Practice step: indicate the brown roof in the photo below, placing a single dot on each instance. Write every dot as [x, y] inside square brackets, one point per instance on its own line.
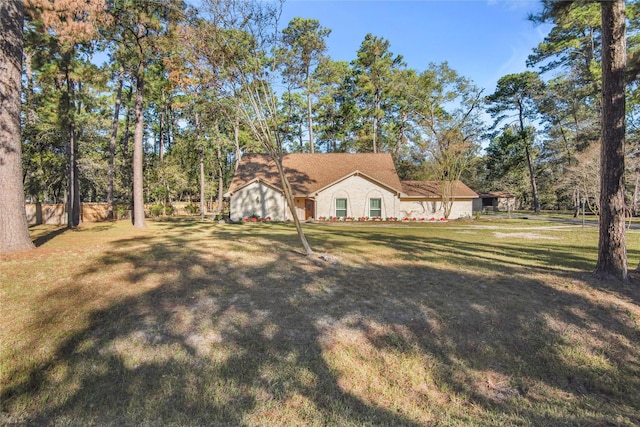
[433, 189]
[309, 173]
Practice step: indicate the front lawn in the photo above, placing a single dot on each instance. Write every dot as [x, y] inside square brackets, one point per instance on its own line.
[194, 323]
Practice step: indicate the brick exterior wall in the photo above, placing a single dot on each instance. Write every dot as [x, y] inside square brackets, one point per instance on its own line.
[262, 200]
[358, 191]
[258, 199]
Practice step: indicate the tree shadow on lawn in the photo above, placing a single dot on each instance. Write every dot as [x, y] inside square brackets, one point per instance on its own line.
[48, 235]
[221, 338]
[507, 255]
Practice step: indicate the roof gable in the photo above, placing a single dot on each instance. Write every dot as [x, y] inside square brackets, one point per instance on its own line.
[255, 181]
[361, 175]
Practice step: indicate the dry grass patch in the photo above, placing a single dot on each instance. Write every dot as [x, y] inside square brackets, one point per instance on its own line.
[193, 323]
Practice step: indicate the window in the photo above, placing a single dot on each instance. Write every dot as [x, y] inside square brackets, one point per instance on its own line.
[341, 208]
[375, 208]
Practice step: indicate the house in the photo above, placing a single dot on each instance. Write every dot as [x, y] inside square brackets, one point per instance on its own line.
[495, 201]
[338, 185]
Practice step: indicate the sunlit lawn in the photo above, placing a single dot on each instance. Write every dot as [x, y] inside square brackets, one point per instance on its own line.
[197, 323]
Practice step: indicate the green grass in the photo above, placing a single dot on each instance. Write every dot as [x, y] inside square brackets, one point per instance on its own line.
[489, 322]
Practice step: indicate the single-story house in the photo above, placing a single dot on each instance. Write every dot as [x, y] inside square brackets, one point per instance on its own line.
[342, 185]
[494, 201]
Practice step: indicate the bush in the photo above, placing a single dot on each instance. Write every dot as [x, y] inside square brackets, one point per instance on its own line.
[192, 209]
[121, 210]
[157, 210]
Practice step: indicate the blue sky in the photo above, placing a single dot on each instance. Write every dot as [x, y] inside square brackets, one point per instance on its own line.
[480, 39]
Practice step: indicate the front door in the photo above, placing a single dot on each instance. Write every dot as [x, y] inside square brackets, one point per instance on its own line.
[309, 209]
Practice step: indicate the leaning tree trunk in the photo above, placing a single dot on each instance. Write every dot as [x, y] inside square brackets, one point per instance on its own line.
[288, 194]
[14, 231]
[612, 254]
[138, 189]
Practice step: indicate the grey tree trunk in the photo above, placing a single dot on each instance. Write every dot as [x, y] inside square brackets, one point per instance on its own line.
[236, 139]
[288, 194]
[73, 182]
[112, 145]
[612, 254]
[14, 231]
[202, 201]
[375, 123]
[310, 114]
[220, 178]
[203, 205]
[532, 178]
[138, 188]
[126, 162]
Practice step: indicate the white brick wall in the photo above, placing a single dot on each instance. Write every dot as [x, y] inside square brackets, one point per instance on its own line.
[259, 199]
[462, 209]
[262, 200]
[433, 209]
[358, 191]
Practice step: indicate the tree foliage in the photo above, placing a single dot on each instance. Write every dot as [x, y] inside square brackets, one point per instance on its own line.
[304, 45]
[514, 106]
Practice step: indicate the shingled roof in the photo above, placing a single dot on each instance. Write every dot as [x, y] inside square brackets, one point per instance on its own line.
[433, 189]
[309, 173]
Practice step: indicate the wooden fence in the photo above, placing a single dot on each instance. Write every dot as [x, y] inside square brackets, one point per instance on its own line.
[56, 213]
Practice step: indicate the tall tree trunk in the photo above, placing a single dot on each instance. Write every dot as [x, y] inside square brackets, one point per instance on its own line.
[236, 139]
[612, 254]
[168, 125]
[29, 95]
[127, 163]
[161, 137]
[310, 114]
[202, 201]
[73, 182]
[14, 231]
[636, 187]
[220, 178]
[532, 179]
[400, 140]
[201, 152]
[138, 188]
[29, 130]
[375, 123]
[112, 145]
[73, 191]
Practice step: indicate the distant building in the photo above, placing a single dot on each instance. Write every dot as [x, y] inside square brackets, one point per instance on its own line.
[495, 201]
